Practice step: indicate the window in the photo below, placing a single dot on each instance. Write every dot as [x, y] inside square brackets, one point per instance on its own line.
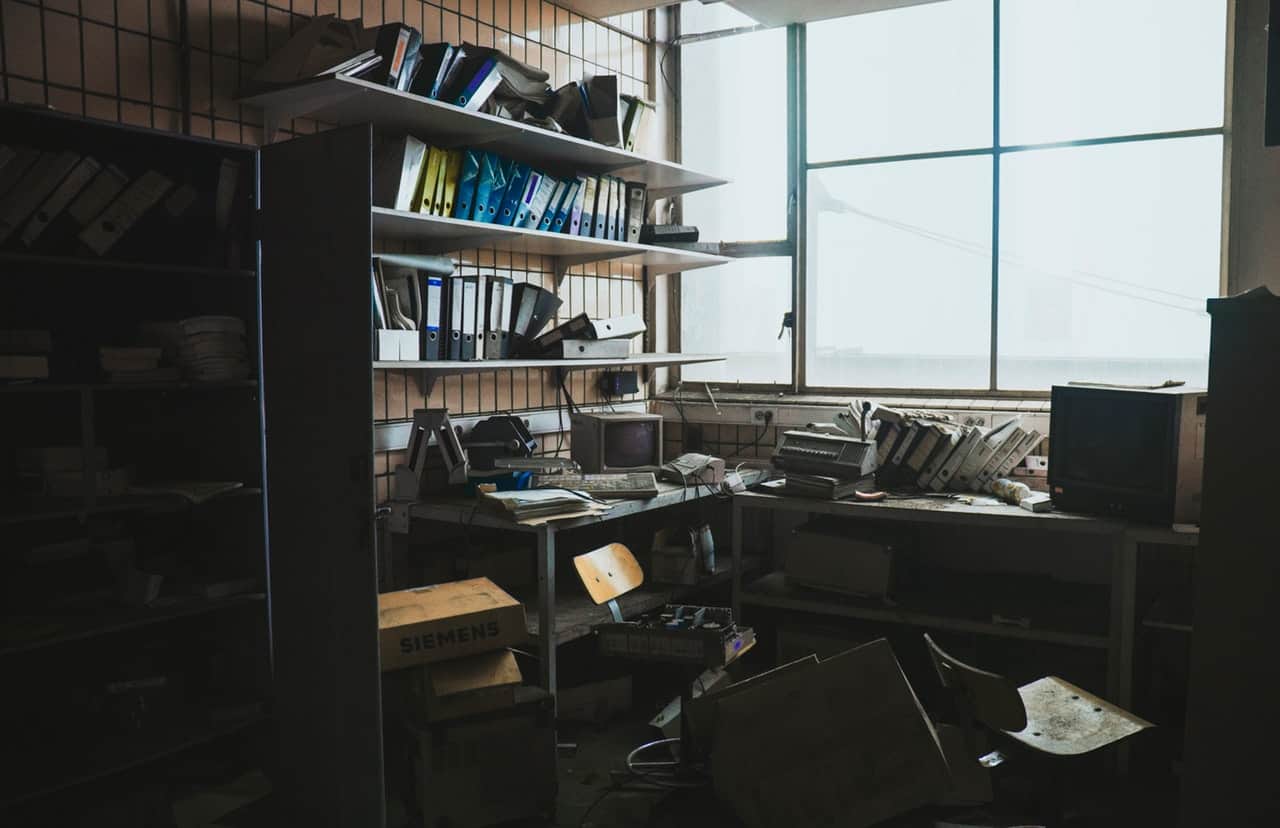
[1080, 140]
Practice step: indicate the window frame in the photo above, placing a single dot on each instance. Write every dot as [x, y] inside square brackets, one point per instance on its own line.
[795, 244]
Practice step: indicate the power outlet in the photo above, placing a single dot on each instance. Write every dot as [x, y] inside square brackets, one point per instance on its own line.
[763, 417]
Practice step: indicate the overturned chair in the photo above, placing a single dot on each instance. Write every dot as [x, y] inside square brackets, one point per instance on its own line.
[1049, 716]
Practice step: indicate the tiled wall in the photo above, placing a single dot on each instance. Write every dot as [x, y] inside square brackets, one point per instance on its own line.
[126, 60]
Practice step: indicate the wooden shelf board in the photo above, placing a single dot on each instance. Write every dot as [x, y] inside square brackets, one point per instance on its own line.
[97, 623]
[443, 235]
[31, 786]
[577, 616]
[774, 592]
[87, 263]
[340, 100]
[56, 508]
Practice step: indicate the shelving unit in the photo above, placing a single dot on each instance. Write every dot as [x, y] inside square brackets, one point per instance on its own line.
[319, 233]
[72, 628]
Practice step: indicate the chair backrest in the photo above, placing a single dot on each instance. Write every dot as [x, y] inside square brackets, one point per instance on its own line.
[989, 698]
[608, 572]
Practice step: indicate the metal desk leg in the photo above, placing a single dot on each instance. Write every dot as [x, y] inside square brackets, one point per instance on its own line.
[547, 606]
[736, 527]
[1120, 653]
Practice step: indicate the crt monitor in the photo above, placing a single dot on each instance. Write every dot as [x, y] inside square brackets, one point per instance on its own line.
[616, 442]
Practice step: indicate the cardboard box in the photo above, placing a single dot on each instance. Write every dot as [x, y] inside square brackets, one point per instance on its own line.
[673, 565]
[453, 689]
[821, 559]
[597, 702]
[444, 621]
[836, 742]
[484, 770]
[397, 346]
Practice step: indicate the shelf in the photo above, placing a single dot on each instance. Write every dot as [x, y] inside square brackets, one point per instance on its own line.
[68, 628]
[443, 235]
[578, 615]
[57, 508]
[137, 267]
[340, 100]
[41, 387]
[32, 783]
[773, 591]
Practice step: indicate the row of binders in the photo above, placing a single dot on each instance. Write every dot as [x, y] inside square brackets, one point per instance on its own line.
[480, 186]
[418, 299]
[935, 454]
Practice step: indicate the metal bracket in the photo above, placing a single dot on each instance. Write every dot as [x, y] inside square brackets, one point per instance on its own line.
[615, 610]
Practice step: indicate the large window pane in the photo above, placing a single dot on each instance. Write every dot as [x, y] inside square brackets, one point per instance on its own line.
[902, 81]
[1086, 68]
[899, 274]
[733, 96]
[1107, 255]
[736, 309]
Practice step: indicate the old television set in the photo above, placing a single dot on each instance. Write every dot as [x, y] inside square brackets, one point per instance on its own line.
[1130, 453]
[616, 442]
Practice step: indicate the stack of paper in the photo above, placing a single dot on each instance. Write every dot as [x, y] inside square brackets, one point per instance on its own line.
[136, 364]
[539, 504]
[213, 349]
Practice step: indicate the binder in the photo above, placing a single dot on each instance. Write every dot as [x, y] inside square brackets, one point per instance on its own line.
[575, 211]
[433, 63]
[102, 190]
[948, 438]
[394, 42]
[455, 317]
[538, 207]
[516, 184]
[532, 307]
[972, 437]
[397, 169]
[977, 460]
[617, 327]
[482, 317]
[452, 169]
[464, 200]
[427, 184]
[490, 177]
[603, 195]
[531, 188]
[16, 167]
[635, 211]
[432, 316]
[618, 220]
[506, 170]
[479, 87]
[36, 186]
[553, 206]
[439, 183]
[79, 177]
[587, 223]
[468, 318]
[982, 482]
[499, 317]
[566, 206]
[131, 205]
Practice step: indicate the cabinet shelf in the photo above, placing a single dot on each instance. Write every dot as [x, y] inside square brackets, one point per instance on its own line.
[341, 100]
[90, 265]
[434, 370]
[442, 235]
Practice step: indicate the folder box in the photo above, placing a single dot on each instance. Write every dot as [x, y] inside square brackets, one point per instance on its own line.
[397, 345]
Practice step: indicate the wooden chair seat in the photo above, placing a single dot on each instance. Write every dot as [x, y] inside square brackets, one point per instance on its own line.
[1064, 720]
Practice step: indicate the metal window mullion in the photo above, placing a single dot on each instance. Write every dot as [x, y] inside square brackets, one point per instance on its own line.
[797, 194]
[993, 357]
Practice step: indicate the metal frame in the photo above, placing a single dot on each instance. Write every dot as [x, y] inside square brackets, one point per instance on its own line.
[799, 168]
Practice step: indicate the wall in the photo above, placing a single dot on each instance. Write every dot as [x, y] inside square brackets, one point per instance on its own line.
[1253, 255]
[124, 60]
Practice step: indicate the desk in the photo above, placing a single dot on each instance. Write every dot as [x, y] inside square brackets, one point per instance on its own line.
[1120, 538]
[558, 623]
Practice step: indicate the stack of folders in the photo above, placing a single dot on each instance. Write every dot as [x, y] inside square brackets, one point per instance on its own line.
[585, 338]
[482, 316]
[72, 204]
[931, 452]
[474, 185]
[536, 504]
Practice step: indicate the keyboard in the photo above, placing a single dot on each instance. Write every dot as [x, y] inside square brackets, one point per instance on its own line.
[613, 485]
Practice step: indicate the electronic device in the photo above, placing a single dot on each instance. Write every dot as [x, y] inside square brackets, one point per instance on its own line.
[828, 555]
[623, 441]
[678, 633]
[1135, 453]
[501, 436]
[619, 383]
[537, 465]
[667, 233]
[808, 452]
[607, 486]
[411, 478]
[694, 469]
[824, 487]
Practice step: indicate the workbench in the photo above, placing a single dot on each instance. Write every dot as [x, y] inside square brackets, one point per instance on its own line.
[1120, 538]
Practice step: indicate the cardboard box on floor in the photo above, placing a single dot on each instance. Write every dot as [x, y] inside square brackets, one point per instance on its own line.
[444, 621]
[452, 689]
[841, 742]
